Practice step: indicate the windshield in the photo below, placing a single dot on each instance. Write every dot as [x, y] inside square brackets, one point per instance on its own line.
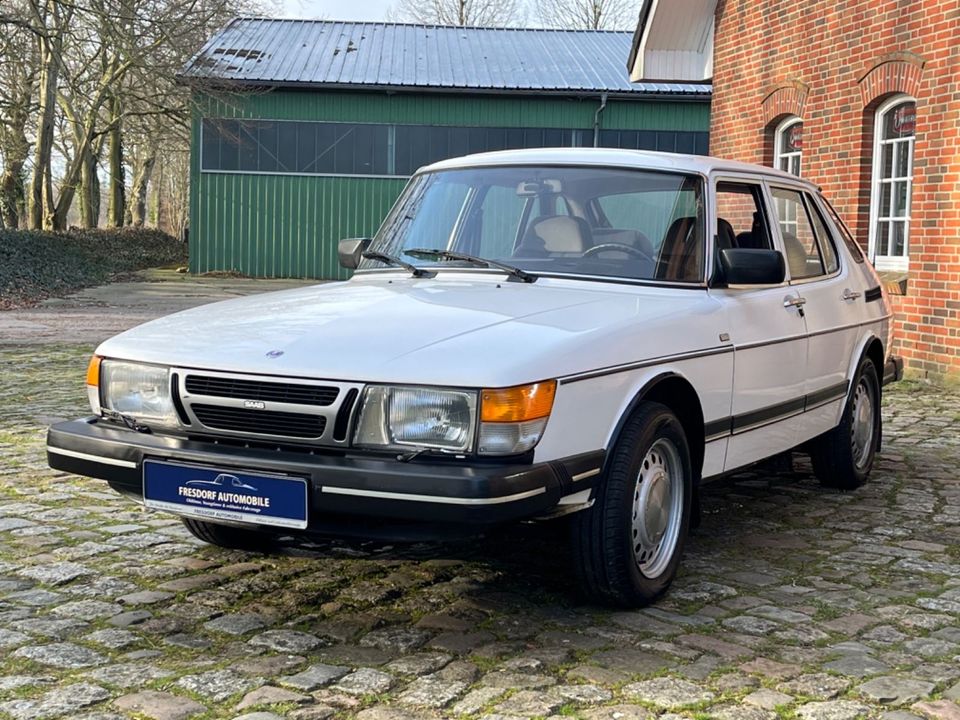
[636, 224]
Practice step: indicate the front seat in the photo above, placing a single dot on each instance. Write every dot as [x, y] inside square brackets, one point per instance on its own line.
[796, 256]
[680, 254]
[557, 234]
[726, 237]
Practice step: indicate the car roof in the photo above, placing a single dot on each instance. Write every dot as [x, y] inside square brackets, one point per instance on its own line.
[676, 162]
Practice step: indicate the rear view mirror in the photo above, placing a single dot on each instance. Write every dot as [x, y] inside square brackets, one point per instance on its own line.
[750, 266]
[350, 252]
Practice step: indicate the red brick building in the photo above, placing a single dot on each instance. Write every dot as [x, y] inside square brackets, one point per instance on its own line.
[860, 96]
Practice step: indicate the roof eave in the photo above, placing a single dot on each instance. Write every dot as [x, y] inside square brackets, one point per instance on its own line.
[638, 35]
[227, 84]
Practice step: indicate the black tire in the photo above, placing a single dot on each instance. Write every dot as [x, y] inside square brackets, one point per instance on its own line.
[228, 536]
[837, 461]
[603, 537]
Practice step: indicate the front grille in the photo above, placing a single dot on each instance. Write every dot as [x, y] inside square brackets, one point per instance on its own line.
[295, 393]
[261, 422]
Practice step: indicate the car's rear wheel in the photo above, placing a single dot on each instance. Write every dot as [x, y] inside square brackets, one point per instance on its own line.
[229, 536]
[842, 458]
[627, 547]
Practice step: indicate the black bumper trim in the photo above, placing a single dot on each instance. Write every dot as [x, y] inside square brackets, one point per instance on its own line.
[351, 485]
[892, 370]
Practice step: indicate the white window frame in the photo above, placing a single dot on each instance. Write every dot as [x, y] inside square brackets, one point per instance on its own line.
[779, 153]
[890, 262]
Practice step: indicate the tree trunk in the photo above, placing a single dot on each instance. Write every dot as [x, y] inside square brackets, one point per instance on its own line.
[143, 171]
[157, 219]
[117, 191]
[40, 183]
[89, 192]
[11, 193]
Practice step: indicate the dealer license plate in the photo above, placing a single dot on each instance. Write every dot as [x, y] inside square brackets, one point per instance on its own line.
[217, 494]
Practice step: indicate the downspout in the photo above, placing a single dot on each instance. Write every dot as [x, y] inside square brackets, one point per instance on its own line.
[596, 119]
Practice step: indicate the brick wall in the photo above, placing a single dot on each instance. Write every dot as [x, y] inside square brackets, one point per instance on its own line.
[832, 63]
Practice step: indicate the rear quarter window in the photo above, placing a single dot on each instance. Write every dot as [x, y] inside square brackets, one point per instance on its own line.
[852, 245]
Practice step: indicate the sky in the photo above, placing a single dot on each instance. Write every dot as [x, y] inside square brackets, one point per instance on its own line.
[336, 9]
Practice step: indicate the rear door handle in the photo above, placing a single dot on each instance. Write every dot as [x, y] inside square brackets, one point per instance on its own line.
[849, 295]
[791, 301]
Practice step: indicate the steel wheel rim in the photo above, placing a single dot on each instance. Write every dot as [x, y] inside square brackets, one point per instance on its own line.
[861, 427]
[657, 508]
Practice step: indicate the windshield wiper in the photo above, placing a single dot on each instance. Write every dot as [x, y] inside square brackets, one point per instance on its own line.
[512, 270]
[391, 260]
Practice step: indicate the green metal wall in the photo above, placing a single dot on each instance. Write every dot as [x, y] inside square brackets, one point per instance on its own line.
[289, 225]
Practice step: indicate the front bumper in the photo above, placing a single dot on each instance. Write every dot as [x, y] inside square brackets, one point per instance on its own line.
[892, 370]
[437, 491]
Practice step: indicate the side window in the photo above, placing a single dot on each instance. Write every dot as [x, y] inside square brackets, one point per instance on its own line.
[741, 221]
[799, 240]
[827, 248]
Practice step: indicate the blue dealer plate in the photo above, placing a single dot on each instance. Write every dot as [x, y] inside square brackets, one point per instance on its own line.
[215, 494]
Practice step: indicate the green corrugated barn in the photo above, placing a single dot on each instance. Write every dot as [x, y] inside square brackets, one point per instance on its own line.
[304, 132]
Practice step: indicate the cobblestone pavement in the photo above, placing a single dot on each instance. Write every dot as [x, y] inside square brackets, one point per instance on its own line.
[793, 602]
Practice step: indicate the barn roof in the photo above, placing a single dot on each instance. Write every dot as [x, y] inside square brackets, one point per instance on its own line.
[392, 56]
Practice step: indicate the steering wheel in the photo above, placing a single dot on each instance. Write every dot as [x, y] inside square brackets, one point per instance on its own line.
[629, 249]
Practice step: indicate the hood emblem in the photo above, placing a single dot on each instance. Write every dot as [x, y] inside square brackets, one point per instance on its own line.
[274, 354]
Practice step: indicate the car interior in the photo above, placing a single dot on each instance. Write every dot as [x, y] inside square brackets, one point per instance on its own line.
[597, 226]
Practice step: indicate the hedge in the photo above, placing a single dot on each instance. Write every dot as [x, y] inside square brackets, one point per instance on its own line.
[35, 265]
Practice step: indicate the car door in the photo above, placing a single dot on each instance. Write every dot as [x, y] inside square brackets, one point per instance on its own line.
[830, 304]
[765, 325]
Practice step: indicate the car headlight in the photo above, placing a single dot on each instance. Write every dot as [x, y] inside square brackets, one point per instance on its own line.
[401, 417]
[139, 391]
[511, 420]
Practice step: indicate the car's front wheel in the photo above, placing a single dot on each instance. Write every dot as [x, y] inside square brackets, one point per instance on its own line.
[628, 545]
[231, 537]
[842, 458]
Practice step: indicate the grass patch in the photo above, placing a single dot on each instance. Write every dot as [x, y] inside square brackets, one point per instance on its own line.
[35, 265]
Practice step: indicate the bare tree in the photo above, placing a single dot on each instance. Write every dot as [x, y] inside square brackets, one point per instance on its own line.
[480, 13]
[18, 79]
[85, 82]
[589, 14]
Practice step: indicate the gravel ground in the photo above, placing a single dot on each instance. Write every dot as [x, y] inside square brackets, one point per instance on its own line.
[793, 602]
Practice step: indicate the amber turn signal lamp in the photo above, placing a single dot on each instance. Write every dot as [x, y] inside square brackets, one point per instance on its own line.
[93, 371]
[518, 404]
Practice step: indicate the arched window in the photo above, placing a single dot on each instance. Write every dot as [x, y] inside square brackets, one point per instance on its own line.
[788, 145]
[893, 139]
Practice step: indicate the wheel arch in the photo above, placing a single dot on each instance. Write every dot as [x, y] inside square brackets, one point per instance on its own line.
[677, 393]
[871, 347]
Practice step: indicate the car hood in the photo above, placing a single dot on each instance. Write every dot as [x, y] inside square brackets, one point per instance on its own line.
[453, 329]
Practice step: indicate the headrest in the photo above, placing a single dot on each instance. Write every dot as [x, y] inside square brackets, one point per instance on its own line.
[562, 234]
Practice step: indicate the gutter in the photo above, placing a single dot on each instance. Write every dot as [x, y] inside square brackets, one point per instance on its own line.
[702, 92]
[596, 120]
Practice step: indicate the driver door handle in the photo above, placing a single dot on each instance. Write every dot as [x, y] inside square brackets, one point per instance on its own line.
[797, 302]
[849, 295]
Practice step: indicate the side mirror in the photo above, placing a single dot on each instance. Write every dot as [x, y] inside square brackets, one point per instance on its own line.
[750, 266]
[351, 252]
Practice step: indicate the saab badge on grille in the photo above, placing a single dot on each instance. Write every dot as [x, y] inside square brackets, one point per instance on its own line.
[254, 404]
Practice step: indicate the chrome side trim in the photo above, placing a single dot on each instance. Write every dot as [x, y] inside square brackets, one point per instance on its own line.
[584, 475]
[626, 367]
[442, 499]
[91, 458]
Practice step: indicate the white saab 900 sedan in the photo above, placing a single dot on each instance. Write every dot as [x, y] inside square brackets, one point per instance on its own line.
[531, 334]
